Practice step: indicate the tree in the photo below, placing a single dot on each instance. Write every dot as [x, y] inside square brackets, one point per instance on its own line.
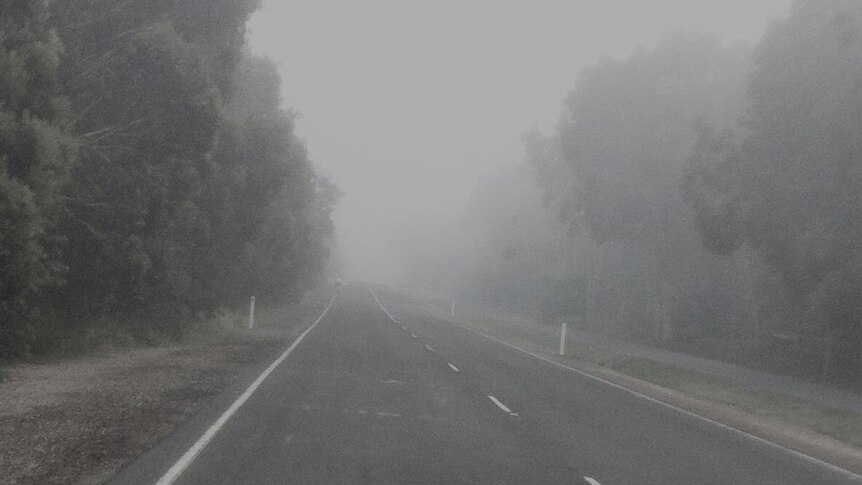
[36, 153]
[148, 82]
[267, 206]
[518, 249]
[144, 171]
[627, 132]
[789, 187]
[134, 222]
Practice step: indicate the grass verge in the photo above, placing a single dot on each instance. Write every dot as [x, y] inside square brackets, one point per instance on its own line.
[841, 425]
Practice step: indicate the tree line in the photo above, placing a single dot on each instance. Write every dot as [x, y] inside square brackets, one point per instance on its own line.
[699, 195]
[148, 176]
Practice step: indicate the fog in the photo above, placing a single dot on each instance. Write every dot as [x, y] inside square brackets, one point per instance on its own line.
[681, 173]
[413, 220]
[410, 105]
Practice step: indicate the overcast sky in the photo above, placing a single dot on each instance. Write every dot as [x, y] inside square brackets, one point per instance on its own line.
[408, 104]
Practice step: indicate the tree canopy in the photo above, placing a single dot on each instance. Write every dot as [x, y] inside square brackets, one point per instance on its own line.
[788, 186]
[148, 173]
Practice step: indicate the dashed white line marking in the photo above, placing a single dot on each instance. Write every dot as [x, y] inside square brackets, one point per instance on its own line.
[373, 295]
[381, 306]
[501, 405]
[453, 367]
[403, 328]
[413, 335]
[388, 415]
[180, 466]
[592, 481]
[429, 348]
[807, 458]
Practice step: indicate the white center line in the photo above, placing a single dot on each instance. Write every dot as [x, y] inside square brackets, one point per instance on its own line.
[501, 405]
[381, 306]
[592, 481]
[453, 368]
[373, 295]
[429, 348]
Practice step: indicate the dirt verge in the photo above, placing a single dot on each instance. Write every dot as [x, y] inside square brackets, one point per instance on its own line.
[81, 420]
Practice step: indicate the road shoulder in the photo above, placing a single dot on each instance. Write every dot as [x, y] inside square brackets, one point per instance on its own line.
[793, 438]
[81, 420]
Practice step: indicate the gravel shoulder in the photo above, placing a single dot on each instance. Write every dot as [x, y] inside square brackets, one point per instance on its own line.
[81, 420]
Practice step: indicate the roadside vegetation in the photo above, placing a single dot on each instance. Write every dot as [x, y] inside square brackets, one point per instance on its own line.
[789, 412]
[695, 196]
[149, 179]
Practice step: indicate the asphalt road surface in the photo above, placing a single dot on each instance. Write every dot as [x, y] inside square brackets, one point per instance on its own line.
[380, 391]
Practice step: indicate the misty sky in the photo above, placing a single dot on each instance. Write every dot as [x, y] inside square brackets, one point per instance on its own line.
[408, 104]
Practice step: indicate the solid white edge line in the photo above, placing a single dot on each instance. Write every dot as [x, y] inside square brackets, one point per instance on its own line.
[499, 404]
[816, 461]
[453, 367]
[592, 481]
[180, 466]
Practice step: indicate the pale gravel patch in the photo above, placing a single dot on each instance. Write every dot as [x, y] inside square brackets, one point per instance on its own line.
[80, 420]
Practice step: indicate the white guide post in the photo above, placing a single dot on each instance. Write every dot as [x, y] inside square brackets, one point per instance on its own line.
[563, 339]
[251, 314]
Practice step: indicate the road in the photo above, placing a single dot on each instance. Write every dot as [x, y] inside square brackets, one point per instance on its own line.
[380, 391]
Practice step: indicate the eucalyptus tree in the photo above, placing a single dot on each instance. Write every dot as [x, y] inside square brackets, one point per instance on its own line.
[789, 185]
[36, 153]
[627, 132]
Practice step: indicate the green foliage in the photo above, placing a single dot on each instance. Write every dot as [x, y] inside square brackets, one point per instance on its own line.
[789, 187]
[279, 224]
[134, 192]
[35, 156]
[629, 131]
[146, 170]
[521, 247]
[625, 138]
